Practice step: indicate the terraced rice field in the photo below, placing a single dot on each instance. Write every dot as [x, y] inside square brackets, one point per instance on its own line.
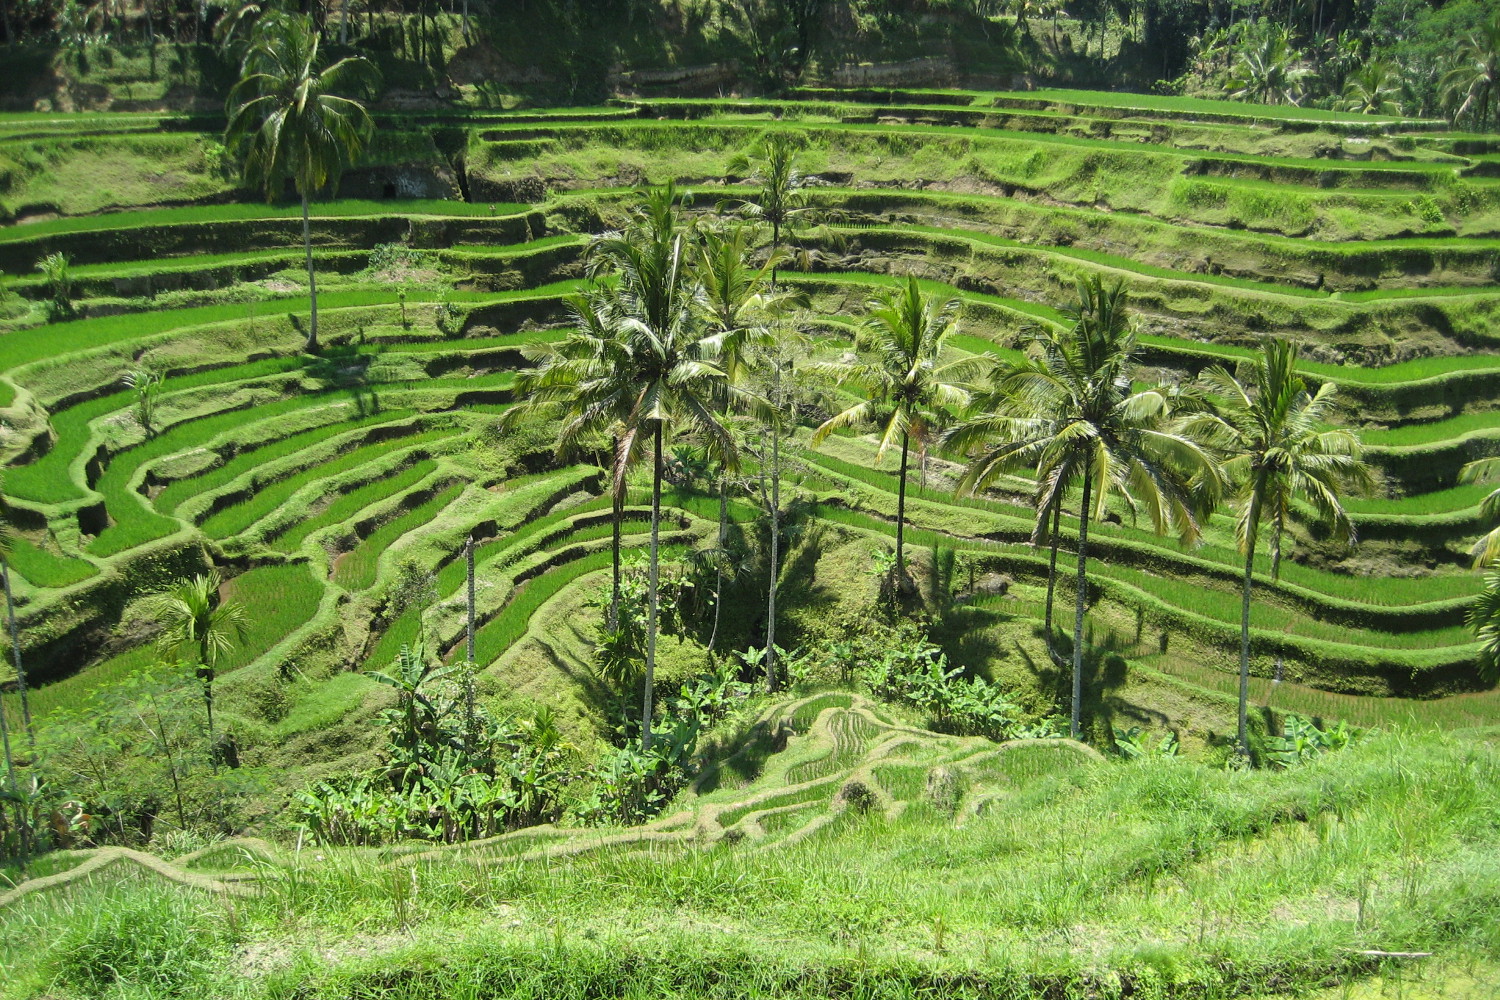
[324, 481]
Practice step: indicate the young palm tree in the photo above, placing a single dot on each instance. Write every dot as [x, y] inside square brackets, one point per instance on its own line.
[908, 389]
[190, 615]
[1373, 89]
[291, 119]
[1268, 430]
[1470, 83]
[781, 198]
[1267, 70]
[1074, 416]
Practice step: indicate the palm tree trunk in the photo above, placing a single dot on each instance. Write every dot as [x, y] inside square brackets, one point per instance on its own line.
[775, 551]
[651, 581]
[312, 281]
[901, 514]
[469, 630]
[1083, 539]
[617, 514]
[15, 652]
[10, 29]
[1052, 573]
[719, 559]
[208, 699]
[775, 249]
[344, 22]
[1244, 736]
[15, 788]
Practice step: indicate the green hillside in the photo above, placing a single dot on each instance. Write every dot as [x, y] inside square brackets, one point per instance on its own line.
[560, 650]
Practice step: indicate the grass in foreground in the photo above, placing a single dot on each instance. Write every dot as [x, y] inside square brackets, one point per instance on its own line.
[1159, 879]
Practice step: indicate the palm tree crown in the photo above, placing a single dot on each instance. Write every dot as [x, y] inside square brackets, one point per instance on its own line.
[781, 193]
[1470, 82]
[1268, 70]
[190, 617]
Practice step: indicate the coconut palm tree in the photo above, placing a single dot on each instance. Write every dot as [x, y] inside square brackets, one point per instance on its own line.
[1373, 89]
[1470, 83]
[667, 369]
[1267, 70]
[653, 373]
[190, 617]
[292, 119]
[1075, 417]
[1269, 430]
[909, 391]
[739, 304]
[781, 195]
[549, 391]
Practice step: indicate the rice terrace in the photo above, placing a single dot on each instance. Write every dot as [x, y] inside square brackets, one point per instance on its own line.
[750, 499]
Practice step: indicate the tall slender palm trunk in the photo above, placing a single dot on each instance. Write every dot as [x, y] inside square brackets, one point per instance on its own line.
[469, 624]
[1052, 574]
[1083, 593]
[1244, 736]
[775, 249]
[15, 653]
[719, 559]
[469, 693]
[775, 552]
[206, 675]
[901, 513]
[312, 281]
[15, 788]
[651, 586]
[617, 515]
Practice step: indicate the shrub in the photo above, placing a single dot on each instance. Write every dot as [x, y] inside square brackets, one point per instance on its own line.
[1302, 739]
[57, 271]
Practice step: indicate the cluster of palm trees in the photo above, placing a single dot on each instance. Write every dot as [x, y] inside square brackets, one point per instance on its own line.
[1260, 61]
[663, 346]
[684, 324]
